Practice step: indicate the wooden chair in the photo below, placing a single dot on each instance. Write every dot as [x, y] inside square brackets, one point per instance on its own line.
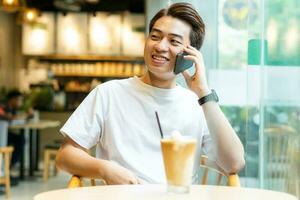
[281, 145]
[208, 167]
[206, 164]
[50, 152]
[5, 152]
[77, 181]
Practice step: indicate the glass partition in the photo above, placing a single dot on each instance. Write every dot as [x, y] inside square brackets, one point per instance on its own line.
[273, 45]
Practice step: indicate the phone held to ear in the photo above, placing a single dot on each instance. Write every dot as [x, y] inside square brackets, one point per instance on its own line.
[181, 63]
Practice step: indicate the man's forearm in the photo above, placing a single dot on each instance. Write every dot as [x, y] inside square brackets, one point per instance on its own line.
[74, 159]
[229, 149]
[82, 164]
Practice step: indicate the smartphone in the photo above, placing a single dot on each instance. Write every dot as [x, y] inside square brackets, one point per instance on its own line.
[182, 64]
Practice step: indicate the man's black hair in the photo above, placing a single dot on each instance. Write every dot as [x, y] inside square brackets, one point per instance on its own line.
[13, 94]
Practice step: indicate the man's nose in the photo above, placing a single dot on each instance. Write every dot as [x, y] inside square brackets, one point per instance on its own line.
[162, 45]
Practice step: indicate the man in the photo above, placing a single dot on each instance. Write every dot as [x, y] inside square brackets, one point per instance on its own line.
[119, 116]
[10, 112]
[14, 101]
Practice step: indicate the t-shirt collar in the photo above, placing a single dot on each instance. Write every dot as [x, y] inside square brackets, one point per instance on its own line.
[162, 92]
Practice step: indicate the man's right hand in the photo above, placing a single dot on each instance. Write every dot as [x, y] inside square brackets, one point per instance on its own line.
[115, 174]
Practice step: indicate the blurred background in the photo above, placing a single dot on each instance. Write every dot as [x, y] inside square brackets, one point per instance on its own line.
[55, 52]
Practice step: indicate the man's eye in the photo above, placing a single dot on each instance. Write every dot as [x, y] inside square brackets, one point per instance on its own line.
[175, 42]
[154, 37]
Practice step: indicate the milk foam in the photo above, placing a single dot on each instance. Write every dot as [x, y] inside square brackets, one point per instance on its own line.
[179, 138]
[176, 135]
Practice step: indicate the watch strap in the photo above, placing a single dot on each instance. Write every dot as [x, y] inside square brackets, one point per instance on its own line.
[210, 97]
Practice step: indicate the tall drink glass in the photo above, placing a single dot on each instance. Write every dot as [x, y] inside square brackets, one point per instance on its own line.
[178, 156]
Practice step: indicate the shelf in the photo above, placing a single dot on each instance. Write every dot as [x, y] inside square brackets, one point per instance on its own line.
[94, 75]
[59, 57]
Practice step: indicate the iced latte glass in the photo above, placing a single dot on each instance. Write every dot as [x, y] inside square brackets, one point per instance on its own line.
[178, 156]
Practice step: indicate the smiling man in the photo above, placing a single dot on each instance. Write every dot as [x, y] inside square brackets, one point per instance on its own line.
[119, 116]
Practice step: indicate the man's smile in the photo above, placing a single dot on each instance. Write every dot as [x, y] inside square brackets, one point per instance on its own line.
[159, 59]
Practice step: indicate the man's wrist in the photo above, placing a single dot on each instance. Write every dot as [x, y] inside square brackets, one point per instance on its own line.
[203, 92]
[103, 168]
[212, 96]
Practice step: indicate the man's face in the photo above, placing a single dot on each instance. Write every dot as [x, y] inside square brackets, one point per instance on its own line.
[167, 38]
[17, 102]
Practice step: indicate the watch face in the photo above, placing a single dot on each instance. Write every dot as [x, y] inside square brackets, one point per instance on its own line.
[214, 95]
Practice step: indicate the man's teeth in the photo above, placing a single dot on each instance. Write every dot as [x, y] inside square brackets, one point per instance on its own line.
[159, 58]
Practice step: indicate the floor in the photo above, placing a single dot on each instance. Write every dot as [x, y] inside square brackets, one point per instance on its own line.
[27, 189]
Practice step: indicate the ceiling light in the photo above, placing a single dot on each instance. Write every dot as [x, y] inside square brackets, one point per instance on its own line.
[10, 5]
[30, 15]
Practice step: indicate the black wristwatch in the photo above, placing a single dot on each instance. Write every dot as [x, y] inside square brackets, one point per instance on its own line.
[210, 97]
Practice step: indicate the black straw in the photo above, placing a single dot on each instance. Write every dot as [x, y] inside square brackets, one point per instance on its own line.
[159, 126]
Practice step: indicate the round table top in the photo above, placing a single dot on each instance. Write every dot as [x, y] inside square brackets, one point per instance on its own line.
[157, 192]
[40, 124]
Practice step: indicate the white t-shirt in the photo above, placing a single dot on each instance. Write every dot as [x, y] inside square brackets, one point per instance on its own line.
[119, 117]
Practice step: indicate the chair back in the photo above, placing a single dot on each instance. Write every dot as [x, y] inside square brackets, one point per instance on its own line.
[6, 152]
[281, 165]
[77, 181]
[210, 173]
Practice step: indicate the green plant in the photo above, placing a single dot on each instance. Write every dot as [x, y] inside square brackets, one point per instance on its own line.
[39, 99]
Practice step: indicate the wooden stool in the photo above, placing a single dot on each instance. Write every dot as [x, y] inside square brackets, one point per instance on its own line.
[50, 153]
[5, 152]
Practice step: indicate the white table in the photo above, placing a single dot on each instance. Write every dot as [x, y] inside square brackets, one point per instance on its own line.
[40, 124]
[158, 192]
[33, 129]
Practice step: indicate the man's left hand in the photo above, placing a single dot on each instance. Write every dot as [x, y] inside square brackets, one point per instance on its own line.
[198, 81]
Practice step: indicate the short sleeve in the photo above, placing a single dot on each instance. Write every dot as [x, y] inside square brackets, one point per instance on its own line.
[85, 124]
